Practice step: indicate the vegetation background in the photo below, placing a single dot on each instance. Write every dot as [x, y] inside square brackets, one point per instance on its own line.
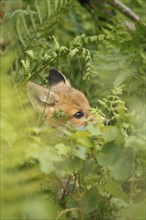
[76, 174]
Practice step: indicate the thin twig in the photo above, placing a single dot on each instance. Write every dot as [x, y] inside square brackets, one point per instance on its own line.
[21, 105]
[41, 115]
[67, 210]
[124, 9]
[65, 190]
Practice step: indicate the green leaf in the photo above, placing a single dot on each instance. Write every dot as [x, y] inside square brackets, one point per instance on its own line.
[115, 189]
[30, 53]
[9, 134]
[80, 152]
[95, 131]
[47, 157]
[86, 141]
[62, 149]
[83, 137]
[110, 133]
[119, 160]
[73, 52]
[90, 200]
[136, 211]
[123, 168]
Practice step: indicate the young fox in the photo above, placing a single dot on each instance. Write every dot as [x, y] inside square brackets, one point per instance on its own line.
[61, 96]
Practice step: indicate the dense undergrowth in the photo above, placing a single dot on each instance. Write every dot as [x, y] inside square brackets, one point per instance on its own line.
[96, 172]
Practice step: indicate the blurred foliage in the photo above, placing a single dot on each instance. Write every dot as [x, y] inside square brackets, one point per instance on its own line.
[94, 172]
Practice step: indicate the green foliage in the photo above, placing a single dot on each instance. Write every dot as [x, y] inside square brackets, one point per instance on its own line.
[93, 172]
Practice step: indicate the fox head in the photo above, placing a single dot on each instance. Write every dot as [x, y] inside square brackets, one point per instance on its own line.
[61, 96]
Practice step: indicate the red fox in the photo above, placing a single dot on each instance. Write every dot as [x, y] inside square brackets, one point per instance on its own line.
[61, 96]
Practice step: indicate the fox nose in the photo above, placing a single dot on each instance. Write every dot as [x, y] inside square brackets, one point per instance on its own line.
[104, 121]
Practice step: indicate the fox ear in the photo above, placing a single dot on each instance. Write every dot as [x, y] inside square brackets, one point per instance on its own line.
[40, 96]
[55, 77]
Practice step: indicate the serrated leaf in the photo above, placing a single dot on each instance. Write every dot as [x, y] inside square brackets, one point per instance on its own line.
[30, 53]
[73, 52]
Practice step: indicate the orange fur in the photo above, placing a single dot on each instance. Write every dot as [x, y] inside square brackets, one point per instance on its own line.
[61, 96]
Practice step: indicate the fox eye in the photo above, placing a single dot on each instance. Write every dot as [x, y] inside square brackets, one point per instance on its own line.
[79, 114]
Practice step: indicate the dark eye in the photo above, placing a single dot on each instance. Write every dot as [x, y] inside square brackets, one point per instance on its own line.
[79, 114]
